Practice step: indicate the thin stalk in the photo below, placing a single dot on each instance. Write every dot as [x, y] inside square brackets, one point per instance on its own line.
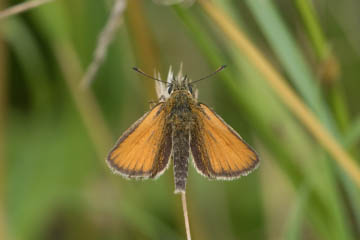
[313, 27]
[329, 68]
[105, 38]
[84, 99]
[283, 90]
[186, 216]
[22, 7]
[352, 136]
[3, 110]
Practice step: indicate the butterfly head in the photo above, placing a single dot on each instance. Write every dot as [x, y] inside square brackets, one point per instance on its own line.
[174, 83]
[180, 83]
[164, 89]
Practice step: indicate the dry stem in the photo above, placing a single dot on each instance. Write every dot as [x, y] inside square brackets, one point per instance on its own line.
[105, 38]
[3, 122]
[84, 99]
[22, 7]
[187, 225]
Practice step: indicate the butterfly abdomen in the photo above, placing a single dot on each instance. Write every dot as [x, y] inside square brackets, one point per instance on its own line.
[181, 118]
[181, 158]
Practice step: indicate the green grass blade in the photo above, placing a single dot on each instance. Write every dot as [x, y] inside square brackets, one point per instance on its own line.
[353, 134]
[297, 215]
[285, 47]
[31, 62]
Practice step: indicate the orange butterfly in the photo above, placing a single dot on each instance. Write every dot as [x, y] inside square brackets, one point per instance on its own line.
[174, 127]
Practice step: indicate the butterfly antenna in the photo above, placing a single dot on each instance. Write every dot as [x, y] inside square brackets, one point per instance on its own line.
[210, 75]
[147, 75]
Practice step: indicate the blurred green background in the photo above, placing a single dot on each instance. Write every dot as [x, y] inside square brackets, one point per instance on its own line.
[54, 136]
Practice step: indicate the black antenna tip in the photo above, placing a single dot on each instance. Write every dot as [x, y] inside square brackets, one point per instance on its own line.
[147, 75]
[210, 75]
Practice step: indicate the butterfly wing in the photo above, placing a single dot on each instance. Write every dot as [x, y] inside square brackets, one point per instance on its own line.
[143, 151]
[218, 151]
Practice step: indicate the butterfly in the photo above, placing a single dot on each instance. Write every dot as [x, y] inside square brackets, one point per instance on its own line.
[176, 127]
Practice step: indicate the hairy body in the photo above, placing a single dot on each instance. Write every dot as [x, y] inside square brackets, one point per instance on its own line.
[182, 119]
[175, 128]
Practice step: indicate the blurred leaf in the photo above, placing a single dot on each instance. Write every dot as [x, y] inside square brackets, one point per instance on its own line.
[313, 28]
[171, 2]
[285, 47]
[297, 215]
[353, 134]
[33, 62]
[43, 173]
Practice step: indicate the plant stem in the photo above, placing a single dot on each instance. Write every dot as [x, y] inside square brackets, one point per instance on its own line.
[22, 7]
[105, 38]
[313, 27]
[84, 99]
[186, 216]
[3, 111]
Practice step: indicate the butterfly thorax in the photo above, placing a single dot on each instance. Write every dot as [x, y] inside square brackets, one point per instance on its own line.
[180, 104]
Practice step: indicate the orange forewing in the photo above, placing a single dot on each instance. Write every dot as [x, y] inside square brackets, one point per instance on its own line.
[144, 149]
[219, 151]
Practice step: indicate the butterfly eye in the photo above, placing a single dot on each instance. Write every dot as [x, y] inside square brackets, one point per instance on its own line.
[170, 89]
[190, 89]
